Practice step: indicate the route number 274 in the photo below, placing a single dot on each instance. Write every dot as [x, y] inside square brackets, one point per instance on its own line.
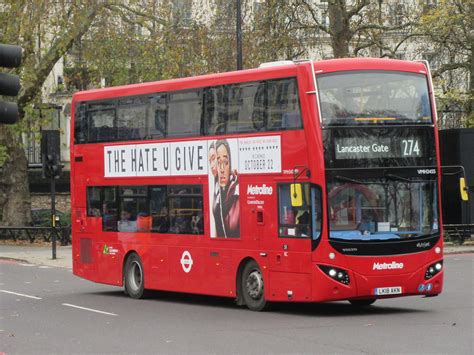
[410, 147]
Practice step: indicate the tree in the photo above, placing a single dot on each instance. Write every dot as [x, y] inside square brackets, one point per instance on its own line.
[449, 29]
[46, 31]
[353, 28]
[130, 45]
[271, 34]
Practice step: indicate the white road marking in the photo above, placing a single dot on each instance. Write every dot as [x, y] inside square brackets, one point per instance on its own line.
[21, 294]
[89, 309]
[44, 267]
[27, 265]
[27, 282]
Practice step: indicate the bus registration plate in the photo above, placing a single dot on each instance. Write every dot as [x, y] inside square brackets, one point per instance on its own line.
[382, 291]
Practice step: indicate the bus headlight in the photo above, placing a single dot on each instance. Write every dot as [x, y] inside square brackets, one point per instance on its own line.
[433, 269]
[336, 274]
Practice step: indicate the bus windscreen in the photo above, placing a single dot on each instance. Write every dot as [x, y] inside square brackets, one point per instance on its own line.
[368, 97]
[382, 209]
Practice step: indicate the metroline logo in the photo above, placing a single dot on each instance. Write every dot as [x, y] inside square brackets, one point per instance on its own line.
[385, 266]
[259, 190]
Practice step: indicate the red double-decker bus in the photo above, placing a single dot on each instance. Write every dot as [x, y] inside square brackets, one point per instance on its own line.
[302, 181]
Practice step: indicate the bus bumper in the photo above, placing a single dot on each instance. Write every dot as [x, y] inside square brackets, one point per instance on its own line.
[384, 285]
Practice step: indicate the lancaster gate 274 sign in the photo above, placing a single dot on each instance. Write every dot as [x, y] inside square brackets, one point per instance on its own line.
[254, 155]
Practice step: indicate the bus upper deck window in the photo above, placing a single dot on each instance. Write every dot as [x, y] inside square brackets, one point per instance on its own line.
[367, 97]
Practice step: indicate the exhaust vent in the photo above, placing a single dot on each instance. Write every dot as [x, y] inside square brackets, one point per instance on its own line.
[86, 250]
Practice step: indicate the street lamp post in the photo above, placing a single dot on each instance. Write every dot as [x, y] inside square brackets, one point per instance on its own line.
[239, 35]
[380, 30]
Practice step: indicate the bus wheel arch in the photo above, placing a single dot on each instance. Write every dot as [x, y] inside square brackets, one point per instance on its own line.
[250, 282]
[238, 281]
[124, 262]
[133, 275]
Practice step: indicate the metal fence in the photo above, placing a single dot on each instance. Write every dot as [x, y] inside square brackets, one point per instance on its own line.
[32, 234]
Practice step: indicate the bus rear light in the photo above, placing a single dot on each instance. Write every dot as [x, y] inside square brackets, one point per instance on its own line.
[336, 274]
[433, 269]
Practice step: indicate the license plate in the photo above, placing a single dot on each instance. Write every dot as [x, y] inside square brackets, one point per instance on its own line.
[382, 291]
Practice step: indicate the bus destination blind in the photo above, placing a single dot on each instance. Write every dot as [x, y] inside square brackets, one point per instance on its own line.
[376, 148]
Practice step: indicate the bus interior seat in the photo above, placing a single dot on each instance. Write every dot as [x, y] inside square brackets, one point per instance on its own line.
[144, 223]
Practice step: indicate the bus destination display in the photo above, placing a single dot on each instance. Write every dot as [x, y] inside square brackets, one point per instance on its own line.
[376, 148]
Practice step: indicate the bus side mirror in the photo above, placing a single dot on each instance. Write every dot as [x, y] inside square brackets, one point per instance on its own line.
[463, 189]
[296, 195]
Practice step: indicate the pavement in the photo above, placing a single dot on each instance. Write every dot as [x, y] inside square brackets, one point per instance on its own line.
[38, 255]
[42, 255]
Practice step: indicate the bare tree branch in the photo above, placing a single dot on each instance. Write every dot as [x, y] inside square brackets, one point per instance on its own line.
[448, 67]
[129, 9]
[57, 49]
[357, 8]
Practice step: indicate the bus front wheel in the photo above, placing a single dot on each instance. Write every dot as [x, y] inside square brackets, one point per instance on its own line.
[362, 303]
[134, 282]
[253, 291]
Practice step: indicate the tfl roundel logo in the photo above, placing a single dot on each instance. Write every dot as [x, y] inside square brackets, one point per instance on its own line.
[186, 261]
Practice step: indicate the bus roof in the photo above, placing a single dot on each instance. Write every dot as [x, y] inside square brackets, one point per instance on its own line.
[187, 83]
[369, 64]
[268, 71]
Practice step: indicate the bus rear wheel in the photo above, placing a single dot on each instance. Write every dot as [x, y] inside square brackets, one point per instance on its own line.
[134, 279]
[362, 303]
[253, 292]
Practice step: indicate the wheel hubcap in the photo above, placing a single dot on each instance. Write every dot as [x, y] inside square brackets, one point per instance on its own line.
[135, 276]
[254, 284]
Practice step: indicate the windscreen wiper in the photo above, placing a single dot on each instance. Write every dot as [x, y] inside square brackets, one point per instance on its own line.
[346, 179]
[396, 177]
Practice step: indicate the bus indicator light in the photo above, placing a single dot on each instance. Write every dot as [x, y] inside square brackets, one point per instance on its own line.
[336, 274]
[433, 269]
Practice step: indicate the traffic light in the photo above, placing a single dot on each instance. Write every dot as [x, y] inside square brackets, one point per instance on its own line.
[50, 153]
[10, 57]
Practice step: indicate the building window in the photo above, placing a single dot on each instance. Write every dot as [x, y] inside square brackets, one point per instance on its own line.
[182, 11]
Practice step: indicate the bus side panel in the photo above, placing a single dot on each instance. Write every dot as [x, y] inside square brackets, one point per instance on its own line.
[108, 253]
[286, 286]
[221, 278]
[83, 258]
[157, 267]
[109, 259]
[189, 269]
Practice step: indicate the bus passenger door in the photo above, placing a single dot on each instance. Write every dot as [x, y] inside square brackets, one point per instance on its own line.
[290, 256]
